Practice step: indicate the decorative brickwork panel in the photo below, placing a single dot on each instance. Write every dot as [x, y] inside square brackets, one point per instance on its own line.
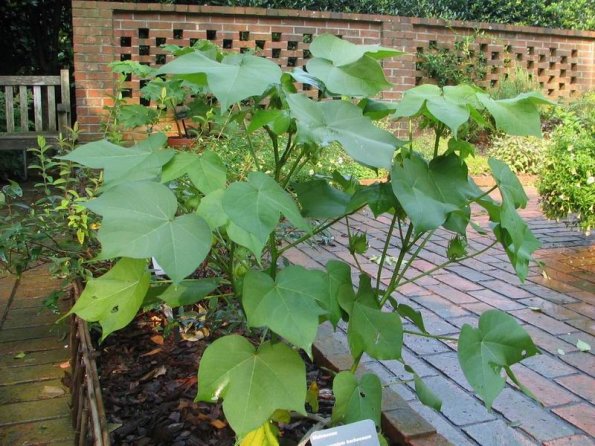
[553, 61]
[139, 36]
[561, 60]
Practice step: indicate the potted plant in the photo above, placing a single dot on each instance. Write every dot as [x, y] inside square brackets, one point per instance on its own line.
[186, 210]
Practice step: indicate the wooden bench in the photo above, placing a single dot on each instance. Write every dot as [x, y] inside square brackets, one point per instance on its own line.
[32, 101]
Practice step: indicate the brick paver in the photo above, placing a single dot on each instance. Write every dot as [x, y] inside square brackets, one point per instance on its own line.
[557, 308]
[34, 404]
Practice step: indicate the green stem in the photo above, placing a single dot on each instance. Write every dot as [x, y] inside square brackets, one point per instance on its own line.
[314, 232]
[439, 130]
[385, 250]
[293, 169]
[356, 362]
[251, 146]
[404, 248]
[428, 335]
[448, 262]
[288, 149]
[396, 278]
[274, 254]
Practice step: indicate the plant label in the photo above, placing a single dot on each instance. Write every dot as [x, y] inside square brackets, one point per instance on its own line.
[362, 433]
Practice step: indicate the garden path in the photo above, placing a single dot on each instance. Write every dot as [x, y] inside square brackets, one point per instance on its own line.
[34, 354]
[557, 308]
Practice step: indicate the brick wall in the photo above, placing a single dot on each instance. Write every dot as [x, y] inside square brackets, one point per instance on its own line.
[562, 60]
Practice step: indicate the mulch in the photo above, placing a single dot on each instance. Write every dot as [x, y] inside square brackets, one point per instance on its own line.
[149, 383]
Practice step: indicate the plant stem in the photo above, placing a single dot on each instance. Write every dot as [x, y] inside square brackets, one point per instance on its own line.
[385, 250]
[293, 168]
[428, 335]
[438, 130]
[404, 248]
[356, 361]
[314, 232]
[396, 278]
[274, 254]
[448, 262]
[251, 146]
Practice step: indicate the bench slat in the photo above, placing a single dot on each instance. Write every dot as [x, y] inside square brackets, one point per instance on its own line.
[51, 108]
[24, 108]
[9, 106]
[29, 80]
[37, 110]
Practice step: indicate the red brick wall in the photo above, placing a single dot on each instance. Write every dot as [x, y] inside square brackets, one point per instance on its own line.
[562, 60]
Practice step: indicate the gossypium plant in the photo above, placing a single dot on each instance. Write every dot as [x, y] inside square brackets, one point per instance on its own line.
[242, 229]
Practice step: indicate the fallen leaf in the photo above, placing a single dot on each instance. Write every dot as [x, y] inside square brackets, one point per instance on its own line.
[218, 424]
[152, 352]
[51, 392]
[535, 309]
[155, 373]
[561, 352]
[113, 426]
[583, 346]
[157, 339]
[20, 355]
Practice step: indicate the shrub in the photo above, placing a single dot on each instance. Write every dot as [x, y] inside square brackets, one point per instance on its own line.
[567, 183]
[515, 81]
[462, 65]
[524, 154]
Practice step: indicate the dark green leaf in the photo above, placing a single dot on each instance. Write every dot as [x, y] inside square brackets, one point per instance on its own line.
[357, 400]
[290, 305]
[188, 292]
[319, 200]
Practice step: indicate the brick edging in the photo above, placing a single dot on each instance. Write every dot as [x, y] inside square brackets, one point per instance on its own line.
[400, 422]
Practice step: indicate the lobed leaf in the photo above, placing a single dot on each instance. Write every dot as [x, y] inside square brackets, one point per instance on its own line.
[357, 400]
[253, 383]
[483, 352]
[139, 221]
[114, 298]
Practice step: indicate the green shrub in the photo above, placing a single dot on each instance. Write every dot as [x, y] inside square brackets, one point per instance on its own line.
[465, 64]
[514, 82]
[567, 183]
[524, 154]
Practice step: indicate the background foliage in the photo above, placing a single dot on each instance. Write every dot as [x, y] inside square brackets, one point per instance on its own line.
[37, 34]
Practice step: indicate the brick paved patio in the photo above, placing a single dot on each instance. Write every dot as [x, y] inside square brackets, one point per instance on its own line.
[34, 406]
[557, 308]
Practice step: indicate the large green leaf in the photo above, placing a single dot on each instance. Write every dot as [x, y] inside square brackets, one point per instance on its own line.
[290, 305]
[449, 106]
[364, 77]
[519, 115]
[211, 209]
[378, 196]
[510, 229]
[140, 162]
[246, 239]
[324, 122]
[342, 52]
[357, 400]
[253, 383]
[340, 288]
[320, 200]
[139, 221]
[188, 292]
[508, 183]
[235, 78]
[114, 298]
[206, 171]
[497, 343]
[256, 205]
[375, 332]
[429, 193]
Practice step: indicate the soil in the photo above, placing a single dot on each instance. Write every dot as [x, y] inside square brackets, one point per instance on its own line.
[149, 383]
